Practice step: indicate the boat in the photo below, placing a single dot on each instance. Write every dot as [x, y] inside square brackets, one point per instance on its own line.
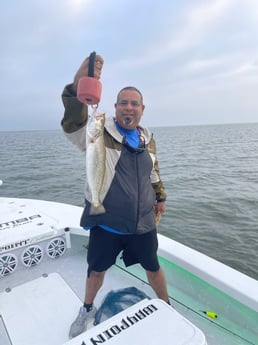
[42, 277]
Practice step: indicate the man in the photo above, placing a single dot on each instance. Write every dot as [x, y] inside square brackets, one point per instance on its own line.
[134, 193]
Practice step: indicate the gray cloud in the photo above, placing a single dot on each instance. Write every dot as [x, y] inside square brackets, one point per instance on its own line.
[196, 62]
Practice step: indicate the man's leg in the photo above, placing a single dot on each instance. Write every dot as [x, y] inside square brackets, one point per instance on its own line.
[88, 310]
[93, 284]
[158, 283]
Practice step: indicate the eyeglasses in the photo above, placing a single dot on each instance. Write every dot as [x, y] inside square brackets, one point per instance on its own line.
[133, 103]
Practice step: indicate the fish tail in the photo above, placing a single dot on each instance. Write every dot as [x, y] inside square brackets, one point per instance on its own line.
[97, 209]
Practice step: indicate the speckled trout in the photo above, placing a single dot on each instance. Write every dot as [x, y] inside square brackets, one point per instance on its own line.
[95, 159]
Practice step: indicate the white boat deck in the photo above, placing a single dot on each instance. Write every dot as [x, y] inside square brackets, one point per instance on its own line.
[71, 268]
[28, 307]
[47, 304]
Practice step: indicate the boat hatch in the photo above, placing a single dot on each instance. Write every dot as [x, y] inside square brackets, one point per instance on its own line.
[147, 322]
[38, 312]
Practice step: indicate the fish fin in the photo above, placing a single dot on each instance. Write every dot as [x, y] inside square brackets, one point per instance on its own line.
[99, 209]
[157, 218]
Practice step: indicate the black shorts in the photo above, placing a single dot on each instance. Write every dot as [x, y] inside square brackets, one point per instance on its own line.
[104, 247]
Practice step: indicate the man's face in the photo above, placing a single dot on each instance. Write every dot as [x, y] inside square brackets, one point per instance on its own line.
[129, 109]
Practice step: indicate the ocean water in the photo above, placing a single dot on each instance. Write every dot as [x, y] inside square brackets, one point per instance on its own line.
[210, 174]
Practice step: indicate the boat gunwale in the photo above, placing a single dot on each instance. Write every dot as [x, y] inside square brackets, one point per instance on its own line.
[230, 281]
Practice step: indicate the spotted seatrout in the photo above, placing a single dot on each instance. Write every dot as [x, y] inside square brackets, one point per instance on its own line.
[95, 159]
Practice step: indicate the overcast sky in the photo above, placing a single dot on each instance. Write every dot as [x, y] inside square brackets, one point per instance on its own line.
[195, 61]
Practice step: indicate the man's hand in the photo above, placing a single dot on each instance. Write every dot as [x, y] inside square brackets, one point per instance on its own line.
[160, 208]
[83, 70]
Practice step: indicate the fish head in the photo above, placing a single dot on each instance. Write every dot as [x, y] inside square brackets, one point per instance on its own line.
[95, 125]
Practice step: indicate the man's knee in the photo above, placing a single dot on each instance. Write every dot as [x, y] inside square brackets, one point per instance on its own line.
[96, 275]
